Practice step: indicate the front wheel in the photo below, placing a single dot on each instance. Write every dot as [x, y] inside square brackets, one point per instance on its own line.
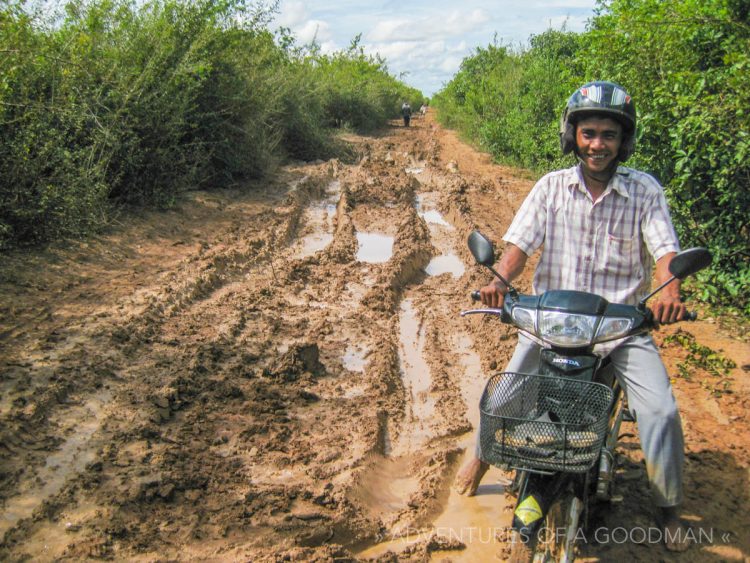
[557, 541]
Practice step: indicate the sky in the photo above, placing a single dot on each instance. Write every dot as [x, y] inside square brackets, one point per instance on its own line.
[424, 41]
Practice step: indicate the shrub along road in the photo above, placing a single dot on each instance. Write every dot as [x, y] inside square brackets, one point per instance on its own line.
[282, 374]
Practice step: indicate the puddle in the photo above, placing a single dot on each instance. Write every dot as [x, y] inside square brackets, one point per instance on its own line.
[481, 521]
[426, 206]
[388, 488]
[318, 217]
[374, 248]
[69, 460]
[448, 261]
[314, 243]
[417, 379]
[446, 264]
[473, 379]
[434, 217]
[354, 358]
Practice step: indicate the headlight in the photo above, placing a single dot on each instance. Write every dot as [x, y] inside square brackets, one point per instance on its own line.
[613, 327]
[564, 329]
[524, 319]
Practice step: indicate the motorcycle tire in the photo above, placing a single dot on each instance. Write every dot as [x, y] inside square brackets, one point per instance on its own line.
[555, 540]
[561, 529]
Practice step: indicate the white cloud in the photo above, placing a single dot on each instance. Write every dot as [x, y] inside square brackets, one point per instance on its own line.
[393, 51]
[426, 40]
[389, 30]
[314, 30]
[429, 27]
[293, 14]
[458, 23]
[410, 53]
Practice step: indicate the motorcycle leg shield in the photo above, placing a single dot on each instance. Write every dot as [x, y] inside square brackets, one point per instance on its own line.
[580, 366]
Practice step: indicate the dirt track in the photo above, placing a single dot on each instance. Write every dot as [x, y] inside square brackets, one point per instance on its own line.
[284, 376]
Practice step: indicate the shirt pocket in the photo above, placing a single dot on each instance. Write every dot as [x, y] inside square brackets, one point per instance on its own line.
[621, 256]
[557, 218]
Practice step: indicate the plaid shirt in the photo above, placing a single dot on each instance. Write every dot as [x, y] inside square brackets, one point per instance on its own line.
[605, 247]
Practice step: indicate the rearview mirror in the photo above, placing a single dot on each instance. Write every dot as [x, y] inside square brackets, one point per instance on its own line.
[481, 248]
[689, 261]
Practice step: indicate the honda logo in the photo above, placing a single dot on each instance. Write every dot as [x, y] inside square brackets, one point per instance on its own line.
[567, 362]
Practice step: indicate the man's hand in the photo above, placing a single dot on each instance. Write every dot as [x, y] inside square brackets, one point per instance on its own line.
[510, 266]
[668, 309]
[493, 294]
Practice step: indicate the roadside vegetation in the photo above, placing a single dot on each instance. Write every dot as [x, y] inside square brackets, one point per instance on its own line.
[687, 65]
[111, 102]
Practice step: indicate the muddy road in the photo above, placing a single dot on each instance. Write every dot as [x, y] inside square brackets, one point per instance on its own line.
[283, 375]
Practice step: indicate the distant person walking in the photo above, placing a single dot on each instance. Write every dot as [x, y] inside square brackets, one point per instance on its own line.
[423, 110]
[406, 112]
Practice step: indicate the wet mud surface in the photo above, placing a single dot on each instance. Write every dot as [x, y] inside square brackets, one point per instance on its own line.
[283, 375]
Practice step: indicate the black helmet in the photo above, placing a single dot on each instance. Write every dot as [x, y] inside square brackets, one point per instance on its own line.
[599, 98]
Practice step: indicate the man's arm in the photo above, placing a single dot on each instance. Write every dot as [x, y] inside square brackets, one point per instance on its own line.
[668, 307]
[510, 266]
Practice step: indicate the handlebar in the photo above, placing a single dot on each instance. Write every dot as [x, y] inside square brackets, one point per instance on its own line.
[689, 315]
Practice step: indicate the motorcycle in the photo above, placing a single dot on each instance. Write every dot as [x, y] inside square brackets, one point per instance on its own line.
[558, 428]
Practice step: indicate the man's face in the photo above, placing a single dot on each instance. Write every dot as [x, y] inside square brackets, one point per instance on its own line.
[598, 140]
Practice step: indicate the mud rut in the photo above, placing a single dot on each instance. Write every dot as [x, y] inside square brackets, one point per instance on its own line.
[277, 376]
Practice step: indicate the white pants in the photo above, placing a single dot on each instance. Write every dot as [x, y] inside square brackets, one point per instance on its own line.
[643, 377]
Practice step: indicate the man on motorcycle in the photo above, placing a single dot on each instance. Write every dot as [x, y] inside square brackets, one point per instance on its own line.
[602, 226]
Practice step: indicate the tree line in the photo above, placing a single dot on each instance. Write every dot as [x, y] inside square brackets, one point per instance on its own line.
[112, 102]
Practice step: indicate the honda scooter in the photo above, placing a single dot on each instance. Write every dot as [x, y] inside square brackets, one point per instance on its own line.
[558, 427]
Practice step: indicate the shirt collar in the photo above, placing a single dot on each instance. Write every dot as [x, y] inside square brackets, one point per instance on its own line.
[619, 182]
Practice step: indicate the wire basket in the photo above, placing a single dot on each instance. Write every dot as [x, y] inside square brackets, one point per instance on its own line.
[543, 423]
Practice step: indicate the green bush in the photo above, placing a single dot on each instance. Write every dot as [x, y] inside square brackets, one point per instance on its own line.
[687, 65]
[52, 184]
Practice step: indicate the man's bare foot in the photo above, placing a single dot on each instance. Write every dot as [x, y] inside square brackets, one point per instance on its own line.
[470, 476]
[677, 535]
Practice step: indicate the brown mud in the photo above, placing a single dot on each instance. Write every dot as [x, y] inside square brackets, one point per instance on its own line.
[282, 374]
